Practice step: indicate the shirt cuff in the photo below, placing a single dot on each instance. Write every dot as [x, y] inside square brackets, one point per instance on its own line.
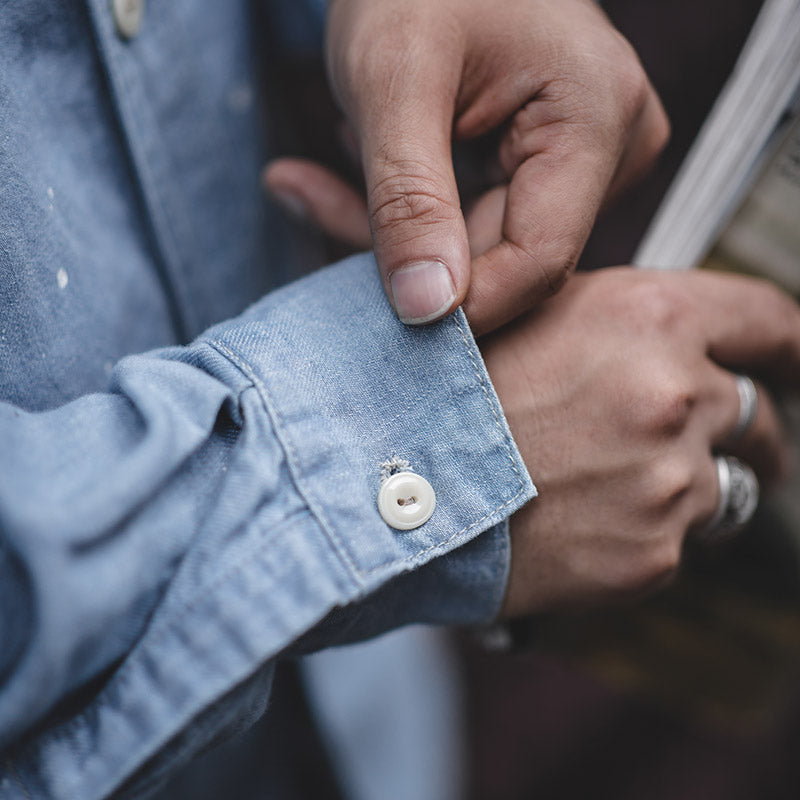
[326, 386]
[349, 388]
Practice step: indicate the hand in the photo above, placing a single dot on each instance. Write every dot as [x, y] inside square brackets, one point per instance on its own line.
[615, 396]
[580, 120]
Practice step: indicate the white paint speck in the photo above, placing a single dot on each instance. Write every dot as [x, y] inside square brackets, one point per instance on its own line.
[62, 278]
[50, 193]
[240, 99]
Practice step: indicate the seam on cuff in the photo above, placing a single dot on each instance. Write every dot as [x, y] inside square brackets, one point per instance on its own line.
[291, 457]
[499, 424]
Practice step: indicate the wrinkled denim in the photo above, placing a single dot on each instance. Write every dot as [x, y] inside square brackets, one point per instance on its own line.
[185, 500]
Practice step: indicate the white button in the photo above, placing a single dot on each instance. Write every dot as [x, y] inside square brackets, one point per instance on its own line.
[406, 500]
[128, 16]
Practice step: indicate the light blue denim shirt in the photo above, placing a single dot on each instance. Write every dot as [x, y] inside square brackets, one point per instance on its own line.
[183, 499]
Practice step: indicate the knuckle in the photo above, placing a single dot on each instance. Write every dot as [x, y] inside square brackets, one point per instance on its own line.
[668, 407]
[407, 195]
[655, 305]
[670, 483]
[554, 259]
[783, 312]
[660, 132]
[633, 99]
[786, 313]
[556, 268]
[612, 70]
[633, 85]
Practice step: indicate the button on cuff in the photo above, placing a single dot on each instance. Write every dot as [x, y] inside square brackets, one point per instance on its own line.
[406, 501]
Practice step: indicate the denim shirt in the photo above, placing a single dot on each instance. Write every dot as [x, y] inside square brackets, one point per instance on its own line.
[190, 456]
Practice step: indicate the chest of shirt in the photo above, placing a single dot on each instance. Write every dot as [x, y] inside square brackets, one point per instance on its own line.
[131, 214]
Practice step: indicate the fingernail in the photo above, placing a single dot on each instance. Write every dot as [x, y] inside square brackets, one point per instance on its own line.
[422, 292]
[291, 203]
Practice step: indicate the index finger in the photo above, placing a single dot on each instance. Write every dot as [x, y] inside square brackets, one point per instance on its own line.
[750, 325]
[552, 201]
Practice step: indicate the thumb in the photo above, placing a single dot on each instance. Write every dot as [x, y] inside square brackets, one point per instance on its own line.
[555, 191]
[404, 116]
[419, 235]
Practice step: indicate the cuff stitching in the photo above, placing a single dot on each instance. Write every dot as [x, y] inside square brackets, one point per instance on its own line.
[291, 457]
[475, 524]
[356, 572]
[499, 424]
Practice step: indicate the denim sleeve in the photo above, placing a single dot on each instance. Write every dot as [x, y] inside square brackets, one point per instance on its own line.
[162, 543]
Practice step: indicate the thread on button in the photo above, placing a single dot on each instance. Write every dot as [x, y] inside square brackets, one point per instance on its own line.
[406, 501]
[392, 466]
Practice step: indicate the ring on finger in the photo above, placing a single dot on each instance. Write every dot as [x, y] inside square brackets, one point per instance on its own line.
[738, 498]
[748, 406]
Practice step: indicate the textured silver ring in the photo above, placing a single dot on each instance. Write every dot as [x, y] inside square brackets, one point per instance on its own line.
[738, 498]
[748, 406]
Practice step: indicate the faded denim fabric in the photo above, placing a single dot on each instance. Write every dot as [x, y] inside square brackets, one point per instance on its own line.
[184, 500]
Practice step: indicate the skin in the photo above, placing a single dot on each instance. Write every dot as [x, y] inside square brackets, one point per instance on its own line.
[620, 389]
[576, 118]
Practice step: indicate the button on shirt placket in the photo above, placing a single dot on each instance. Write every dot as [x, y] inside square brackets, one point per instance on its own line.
[119, 30]
[128, 16]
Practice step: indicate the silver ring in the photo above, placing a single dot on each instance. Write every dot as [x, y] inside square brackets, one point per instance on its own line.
[738, 498]
[748, 406]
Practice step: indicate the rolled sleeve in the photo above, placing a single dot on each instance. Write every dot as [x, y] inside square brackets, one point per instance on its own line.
[348, 387]
[261, 532]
